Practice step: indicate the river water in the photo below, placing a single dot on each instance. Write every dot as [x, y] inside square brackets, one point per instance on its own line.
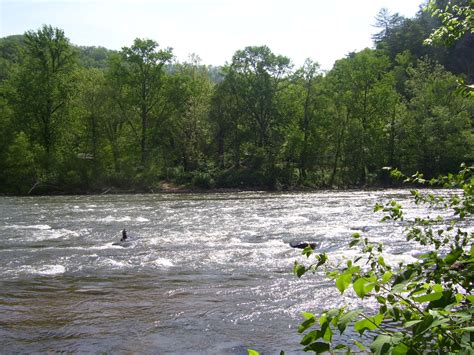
[204, 273]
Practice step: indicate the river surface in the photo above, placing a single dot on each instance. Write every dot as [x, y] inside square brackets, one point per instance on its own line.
[204, 273]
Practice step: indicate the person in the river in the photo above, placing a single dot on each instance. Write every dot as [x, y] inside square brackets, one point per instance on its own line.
[124, 235]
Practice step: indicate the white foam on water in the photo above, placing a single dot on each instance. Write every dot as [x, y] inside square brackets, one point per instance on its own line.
[142, 219]
[45, 270]
[163, 262]
[110, 218]
[274, 243]
[391, 259]
[33, 226]
[98, 247]
[157, 241]
[47, 234]
[233, 241]
[114, 263]
[53, 270]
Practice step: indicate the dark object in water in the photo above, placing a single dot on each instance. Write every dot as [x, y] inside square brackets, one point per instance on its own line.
[124, 244]
[302, 245]
[125, 240]
[124, 235]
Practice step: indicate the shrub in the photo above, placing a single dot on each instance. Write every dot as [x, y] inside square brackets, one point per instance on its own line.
[424, 306]
[203, 180]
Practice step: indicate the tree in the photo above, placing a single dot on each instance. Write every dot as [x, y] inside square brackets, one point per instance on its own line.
[308, 74]
[457, 19]
[20, 170]
[306, 145]
[142, 66]
[367, 92]
[387, 23]
[91, 107]
[44, 87]
[256, 77]
[10, 55]
[455, 30]
[437, 127]
[192, 117]
[227, 124]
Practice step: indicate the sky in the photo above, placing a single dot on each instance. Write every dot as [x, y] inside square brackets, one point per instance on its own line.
[213, 29]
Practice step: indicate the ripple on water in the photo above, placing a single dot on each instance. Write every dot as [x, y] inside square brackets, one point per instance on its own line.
[209, 272]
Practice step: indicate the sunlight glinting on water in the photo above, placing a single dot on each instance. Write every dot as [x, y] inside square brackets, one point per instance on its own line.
[215, 268]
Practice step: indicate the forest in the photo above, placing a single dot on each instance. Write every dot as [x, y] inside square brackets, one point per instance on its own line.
[90, 120]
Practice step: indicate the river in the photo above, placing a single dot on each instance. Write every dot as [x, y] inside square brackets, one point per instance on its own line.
[204, 273]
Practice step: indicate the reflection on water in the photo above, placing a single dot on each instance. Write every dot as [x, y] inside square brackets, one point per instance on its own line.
[204, 273]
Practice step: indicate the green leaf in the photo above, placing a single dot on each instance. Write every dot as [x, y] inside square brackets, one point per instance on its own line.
[386, 277]
[368, 324]
[381, 344]
[252, 352]
[411, 323]
[343, 281]
[299, 269]
[327, 335]
[332, 313]
[311, 337]
[323, 319]
[378, 207]
[306, 324]
[453, 256]
[400, 349]
[429, 297]
[438, 322]
[354, 242]
[363, 325]
[318, 347]
[308, 251]
[360, 345]
[322, 258]
[308, 315]
[346, 319]
[362, 286]
[424, 325]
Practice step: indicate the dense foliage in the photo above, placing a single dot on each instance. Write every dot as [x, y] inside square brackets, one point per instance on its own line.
[78, 119]
[425, 306]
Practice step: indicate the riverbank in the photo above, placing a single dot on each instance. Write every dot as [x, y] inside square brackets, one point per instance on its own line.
[170, 187]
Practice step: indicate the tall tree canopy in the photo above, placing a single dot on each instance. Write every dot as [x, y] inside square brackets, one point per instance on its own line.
[44, 87]
[80, 119]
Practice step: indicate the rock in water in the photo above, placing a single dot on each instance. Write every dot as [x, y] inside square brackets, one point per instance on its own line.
[302, 245]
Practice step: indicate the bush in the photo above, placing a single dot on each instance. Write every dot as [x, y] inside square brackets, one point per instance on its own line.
[203, 180]
[238, 178]
[424, 306]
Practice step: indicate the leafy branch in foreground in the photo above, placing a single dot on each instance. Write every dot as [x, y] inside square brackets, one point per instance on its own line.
[423, 306]
[456, 20]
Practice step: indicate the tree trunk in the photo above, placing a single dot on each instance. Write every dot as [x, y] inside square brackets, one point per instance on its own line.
[143, 147]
